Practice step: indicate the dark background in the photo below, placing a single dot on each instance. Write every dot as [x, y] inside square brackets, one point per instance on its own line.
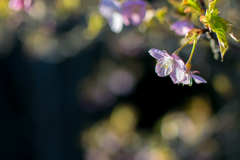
[45, 105]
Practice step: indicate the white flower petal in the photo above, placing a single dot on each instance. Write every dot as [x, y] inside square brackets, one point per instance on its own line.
[179, 62]
[177, 75]
[164, 67]
[158, 53]
[117, 22]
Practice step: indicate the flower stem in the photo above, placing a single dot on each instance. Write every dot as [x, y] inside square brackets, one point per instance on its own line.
[179, 49]
[188, 64]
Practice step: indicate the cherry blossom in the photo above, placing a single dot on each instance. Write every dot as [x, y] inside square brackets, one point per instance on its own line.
[182, 27]
[133, 12]
[169, 65]
[111, 10]
[189, 75]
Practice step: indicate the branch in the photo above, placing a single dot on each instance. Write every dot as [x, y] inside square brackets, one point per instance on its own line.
[212, 38]
[203, 6]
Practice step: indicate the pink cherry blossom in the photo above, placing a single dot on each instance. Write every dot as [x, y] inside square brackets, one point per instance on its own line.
[18, 5]
[111, 10]
[188, 76]
[182, 27]
[133, 12]
[169, 65]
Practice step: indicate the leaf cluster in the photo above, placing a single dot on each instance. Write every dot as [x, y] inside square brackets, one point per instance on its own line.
[192, 6]
[217, 24]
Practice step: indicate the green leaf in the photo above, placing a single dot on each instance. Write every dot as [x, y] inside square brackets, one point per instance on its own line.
[218, 25]
[228, 28]
[214, 14]
[212, 11]
[192, 3]
[212, 4]
[218, 28]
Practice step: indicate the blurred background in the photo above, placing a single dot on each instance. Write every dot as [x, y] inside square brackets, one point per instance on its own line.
[71, 89]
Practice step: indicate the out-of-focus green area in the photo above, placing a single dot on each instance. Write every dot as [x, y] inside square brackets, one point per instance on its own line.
[69, 81]
[192, 132]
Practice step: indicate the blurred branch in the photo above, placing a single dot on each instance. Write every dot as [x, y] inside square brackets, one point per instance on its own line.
[203, 6]
[212, 37]
[213, 43]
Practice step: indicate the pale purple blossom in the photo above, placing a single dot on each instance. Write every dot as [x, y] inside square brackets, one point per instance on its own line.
[182, 27]
[188, 76]
[111, 10]
[133, 12]
[18, 5]
[169, 65]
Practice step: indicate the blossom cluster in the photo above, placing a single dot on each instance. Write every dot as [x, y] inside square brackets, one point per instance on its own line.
[175, 67]
[132, 12]
[126, 13]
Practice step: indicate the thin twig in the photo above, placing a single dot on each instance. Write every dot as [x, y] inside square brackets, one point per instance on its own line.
[203, 6]
[212, 37]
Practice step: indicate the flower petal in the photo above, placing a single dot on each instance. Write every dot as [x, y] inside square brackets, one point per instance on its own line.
[125, 20]
[28, 4]
[136, 19]
[133, 11]
[177, 75]
[195, 72]
[198, 79]
[179, 62]
[16, 5]
[182, 27]
[158, 54]
[117, 22]
[164, 67]
[186, 79]
[108, 7]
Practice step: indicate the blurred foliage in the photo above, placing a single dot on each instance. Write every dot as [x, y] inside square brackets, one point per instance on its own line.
[179, 134]
[54, 31]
